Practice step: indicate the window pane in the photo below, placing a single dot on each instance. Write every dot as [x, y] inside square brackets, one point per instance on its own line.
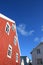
[13, 27]
[7, 28]
[9, 53]
[16, 57]
[38, 51]
[15, 40]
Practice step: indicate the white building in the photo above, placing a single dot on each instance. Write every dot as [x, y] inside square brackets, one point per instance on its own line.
[37, 55]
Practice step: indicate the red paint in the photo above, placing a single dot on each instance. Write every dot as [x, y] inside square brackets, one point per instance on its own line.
[5, 40]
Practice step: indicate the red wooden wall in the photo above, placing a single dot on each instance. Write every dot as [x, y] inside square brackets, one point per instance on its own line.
[5, 40]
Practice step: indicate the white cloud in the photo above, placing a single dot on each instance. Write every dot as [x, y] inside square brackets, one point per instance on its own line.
[36, 39]
[22, 29]
[31, 32]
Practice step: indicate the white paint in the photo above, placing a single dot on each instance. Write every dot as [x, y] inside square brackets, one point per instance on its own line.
[17, 57]
[22, 63]
[18, 42]
[27, 59]
[6, 27]
[3, 16]
[10, 50]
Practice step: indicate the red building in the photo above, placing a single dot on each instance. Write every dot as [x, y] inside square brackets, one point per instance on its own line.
[9, 46]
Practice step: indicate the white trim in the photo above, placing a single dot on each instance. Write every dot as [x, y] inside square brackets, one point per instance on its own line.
[17, 57]
[11, 51]
[18, 43]
[9, 28]
[3, 16]
[15, 38]
[10, 46]
[13, 27]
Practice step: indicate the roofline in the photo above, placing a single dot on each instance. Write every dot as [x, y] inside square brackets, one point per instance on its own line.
[5, 17]
[36, 47]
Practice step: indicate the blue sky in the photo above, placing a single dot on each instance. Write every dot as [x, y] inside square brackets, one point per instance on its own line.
[28, 15]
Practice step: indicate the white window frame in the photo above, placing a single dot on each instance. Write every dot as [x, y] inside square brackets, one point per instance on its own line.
[9, 56]
[17, 57]
[15, 40]
[13, 27]
[9, 28]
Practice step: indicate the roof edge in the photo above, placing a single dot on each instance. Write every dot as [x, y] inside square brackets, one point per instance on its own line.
[36, 47]
[7, 18]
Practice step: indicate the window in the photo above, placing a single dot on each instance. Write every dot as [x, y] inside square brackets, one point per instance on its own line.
[7, 28]
[16, 57]
[38, 51]
[39, 61]
[15, 40]
[9, 53]
[13, 27]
